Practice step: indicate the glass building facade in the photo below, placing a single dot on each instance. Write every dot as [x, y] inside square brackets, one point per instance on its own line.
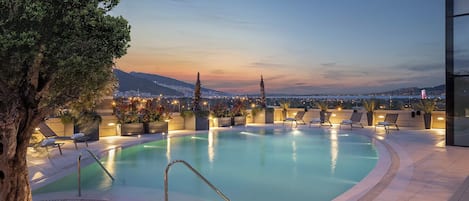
[457, 72]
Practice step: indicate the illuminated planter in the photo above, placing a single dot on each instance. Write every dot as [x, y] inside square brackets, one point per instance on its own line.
[132, 129]
[239, 120]
[155, 127]
[222, 122]
[193, 122]
[427, 119]
[264, 116]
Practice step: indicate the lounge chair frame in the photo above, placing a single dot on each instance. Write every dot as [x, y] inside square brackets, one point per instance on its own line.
[47, 132]
[389, 120]
[354, 119]
[322, 120]
[298, 119]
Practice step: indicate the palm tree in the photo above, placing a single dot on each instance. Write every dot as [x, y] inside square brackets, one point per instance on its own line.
[427, 106]
[370, 106]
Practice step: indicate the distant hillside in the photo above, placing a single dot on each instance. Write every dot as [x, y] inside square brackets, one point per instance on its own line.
[128, 82]
[182, 87]
[415, 91]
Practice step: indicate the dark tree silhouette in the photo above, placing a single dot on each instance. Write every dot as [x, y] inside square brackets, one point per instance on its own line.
[263, 104]
[52, 54]
[197, 94]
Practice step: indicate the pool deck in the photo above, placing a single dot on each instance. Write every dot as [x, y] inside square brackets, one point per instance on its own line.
[413, 165]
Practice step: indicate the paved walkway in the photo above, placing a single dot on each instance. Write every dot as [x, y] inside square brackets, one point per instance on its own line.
[413, 165]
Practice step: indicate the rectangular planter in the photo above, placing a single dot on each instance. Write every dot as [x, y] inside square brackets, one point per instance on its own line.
[156, 127]
[265, 116]
[240, 120]
[132, 129]
[196, 123]
[222, 122]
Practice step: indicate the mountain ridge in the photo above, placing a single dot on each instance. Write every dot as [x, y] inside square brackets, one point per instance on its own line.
[153, 84]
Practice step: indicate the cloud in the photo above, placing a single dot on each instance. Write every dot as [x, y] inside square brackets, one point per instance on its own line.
[329, 64]
[344, 74]
[274, 77]
[218, 71]
[423, 67]
[266, 65]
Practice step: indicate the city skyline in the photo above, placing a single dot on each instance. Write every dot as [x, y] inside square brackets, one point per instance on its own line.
[301, 47]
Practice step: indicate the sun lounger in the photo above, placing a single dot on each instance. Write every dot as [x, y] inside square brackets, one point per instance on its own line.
[322, 120]
[354, 119]
[389, 120]
[50, 134]
[297, 119]
[50, 142]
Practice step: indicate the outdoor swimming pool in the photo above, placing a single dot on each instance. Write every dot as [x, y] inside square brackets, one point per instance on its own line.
[249, 164]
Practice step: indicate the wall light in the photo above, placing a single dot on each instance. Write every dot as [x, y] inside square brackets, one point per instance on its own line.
[440, 118]
[111, 124]
[381, 116]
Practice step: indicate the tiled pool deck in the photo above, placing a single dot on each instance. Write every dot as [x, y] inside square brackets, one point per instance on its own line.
[413, 165]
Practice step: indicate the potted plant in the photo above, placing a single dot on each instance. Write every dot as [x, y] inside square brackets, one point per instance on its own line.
[369, 106]
[323, 106]
[67, 118]
[128, 118]
[427, 106]
[263, 114]
[238, 114]
[155, 119]
[197, 117]
[284, 106]
[88, 123]
[221, 114]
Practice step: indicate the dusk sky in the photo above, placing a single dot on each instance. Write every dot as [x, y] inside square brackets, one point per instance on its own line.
[299, 46]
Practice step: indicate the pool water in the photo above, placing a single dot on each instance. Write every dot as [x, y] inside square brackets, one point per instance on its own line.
[252, 164]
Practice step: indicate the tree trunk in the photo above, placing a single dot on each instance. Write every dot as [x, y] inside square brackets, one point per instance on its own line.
[369, 118]
[14, 179]
[15, 132]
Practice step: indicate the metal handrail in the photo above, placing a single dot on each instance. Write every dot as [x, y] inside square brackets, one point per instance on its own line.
[79, 169]
[195, 172]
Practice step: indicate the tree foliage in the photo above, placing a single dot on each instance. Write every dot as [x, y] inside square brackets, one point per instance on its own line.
[263, 100]
[197, 94]
[53, 54]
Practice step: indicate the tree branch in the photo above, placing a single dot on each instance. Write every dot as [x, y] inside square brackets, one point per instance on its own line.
[33, 73]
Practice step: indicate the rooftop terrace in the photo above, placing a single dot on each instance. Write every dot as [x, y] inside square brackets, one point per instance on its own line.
[413, 165]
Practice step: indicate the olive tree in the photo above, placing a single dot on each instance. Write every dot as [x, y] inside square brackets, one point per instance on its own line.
[52, 53]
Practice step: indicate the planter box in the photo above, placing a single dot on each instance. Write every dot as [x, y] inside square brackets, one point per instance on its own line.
[222, 122]
[132, 129]
[265, 116]
[196, 123]
[241, 120]
[156, 127]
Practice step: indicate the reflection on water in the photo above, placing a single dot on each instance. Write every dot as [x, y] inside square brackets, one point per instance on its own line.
[211, 146]
[294, 150]
[334, 150]
[168, 150]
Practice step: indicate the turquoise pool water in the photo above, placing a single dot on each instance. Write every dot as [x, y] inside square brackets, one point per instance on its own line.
[253, 164]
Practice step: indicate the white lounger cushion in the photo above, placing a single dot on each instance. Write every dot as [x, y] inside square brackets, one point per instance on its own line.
[384, 123]
[315, 120]
[48, 142]
[77, 136]
[347, 121]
